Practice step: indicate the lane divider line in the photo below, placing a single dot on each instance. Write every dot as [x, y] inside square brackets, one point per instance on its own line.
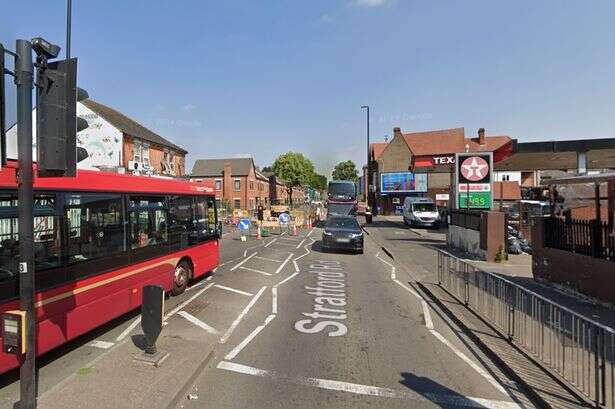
[427, 315]
[285, 280]
[128, 329]
[199, 323]
[296, 265]
[243, 261]
[256, 271]
[233, 290]
[300, 244]
[271, 242]
[188, 301]
[249, 338]
[328, 384]
[283, 264]
[274, 300]
[243, 313]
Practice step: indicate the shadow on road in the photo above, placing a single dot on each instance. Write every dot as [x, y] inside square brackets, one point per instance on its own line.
[437, 393]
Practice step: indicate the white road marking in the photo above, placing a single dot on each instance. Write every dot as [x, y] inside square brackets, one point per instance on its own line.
[271, 242]
[249, 338]
[274, 300]
[101, 344]
[474, 366]
[410, 290]
[243, 313]
[256, 271]
[307, 251]
[311, 231]
[427, 315]
[300, 244]
[269, 259]
[128, 329]
[188, 301]
[199, 323]
[283, 264]
[286, 244]
[286, 279]
[296, 265]
[288, 239]
[233, 290]
[244, 260]
[442, 399]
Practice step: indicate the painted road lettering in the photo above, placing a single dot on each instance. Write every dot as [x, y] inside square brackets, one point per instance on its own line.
[329, 295]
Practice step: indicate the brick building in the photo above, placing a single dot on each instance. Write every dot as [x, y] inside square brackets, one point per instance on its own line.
[117, 143]
[237, 181]
[428, 156]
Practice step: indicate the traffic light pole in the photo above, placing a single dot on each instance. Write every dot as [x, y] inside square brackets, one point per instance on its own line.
[24, 71]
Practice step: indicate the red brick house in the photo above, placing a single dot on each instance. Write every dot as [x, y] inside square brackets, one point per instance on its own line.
[237, 181]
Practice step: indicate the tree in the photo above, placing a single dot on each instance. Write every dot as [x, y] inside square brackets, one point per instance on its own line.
[346, 170]
[295, 169]
[318, 182]
[267, 169]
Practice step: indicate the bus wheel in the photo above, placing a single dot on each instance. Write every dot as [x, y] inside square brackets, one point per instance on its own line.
[181, 277]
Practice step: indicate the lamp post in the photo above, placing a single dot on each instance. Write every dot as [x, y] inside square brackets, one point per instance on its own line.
[366, 108]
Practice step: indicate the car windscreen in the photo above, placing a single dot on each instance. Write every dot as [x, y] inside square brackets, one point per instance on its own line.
[424, 207]
[336, 208]
[342, 191]
[342, 223]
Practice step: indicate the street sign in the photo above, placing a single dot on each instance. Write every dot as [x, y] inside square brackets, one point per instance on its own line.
[244, 224]
[473, 172]
[284, 218]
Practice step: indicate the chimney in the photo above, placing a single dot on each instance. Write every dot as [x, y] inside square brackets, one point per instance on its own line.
[481, 136]
[227, 183]
[396, 132]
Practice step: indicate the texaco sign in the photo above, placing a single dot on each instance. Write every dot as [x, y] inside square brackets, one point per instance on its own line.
[474, 178]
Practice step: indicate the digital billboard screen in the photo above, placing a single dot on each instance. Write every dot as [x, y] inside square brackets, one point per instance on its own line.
[403, 182]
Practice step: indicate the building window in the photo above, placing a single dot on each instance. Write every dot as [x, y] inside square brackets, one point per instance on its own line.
[218, 184]
[237, 185]
[141, 152]
[251, 185]
[237, 204]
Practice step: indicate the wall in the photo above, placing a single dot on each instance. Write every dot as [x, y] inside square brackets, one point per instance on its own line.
[465, 240]
[102, 140]
[156, 157]
[507, 176]
[587, 275]
[484, 244]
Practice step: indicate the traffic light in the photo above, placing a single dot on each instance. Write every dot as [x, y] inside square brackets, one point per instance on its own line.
[57, 123]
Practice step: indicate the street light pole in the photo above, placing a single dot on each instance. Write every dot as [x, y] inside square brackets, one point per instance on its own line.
[366, 107]
[24, 71]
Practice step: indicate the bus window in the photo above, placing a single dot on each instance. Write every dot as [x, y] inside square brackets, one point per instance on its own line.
[148, 221]
[182, 229]
[95, 226]
[205, 217]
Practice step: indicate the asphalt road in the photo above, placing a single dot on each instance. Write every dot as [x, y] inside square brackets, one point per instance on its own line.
[286, 326]
[341, 331]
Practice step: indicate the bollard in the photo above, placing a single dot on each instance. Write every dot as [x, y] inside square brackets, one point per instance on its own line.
[152, 312]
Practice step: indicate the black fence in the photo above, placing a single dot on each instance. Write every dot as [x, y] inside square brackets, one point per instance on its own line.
[469, 219]
[587, 237]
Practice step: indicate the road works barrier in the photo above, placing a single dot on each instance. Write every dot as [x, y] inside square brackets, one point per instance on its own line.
[577, 348]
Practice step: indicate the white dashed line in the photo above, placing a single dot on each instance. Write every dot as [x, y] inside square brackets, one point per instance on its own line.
[243, 261]
[328, 384]
[427, 315]
[274, 300]
[283, 264]
[101, 344]
[271, 242]
[300, 244]
[199, 323]
[256, 271]
[243, 313]
[233, 290]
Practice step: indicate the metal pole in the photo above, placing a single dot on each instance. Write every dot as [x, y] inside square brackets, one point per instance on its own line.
[24, 77]
[69, 12]
[366, 107]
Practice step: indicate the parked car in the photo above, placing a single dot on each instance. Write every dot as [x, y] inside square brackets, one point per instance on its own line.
[420, 211]
[342, 233]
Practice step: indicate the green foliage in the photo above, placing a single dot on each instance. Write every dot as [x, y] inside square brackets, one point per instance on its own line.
[318, 182]
[346, 170]
[294, 168]
[267, 169]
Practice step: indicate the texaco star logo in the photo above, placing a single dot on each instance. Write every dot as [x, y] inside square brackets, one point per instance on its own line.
[474, 168]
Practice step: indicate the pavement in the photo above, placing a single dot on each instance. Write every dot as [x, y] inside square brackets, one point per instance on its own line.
[281, 324]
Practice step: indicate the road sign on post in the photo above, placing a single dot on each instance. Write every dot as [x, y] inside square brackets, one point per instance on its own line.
[474, 179]
[284, 218]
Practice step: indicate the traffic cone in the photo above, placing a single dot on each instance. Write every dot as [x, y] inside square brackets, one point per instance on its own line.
[258, 233]
[295, 232]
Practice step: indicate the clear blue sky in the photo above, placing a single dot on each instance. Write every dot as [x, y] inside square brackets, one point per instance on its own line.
[223, 78]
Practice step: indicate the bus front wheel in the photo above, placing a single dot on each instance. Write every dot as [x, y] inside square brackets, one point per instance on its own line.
[180, 277]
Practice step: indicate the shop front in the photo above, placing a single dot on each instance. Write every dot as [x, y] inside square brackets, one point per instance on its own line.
[395, 187]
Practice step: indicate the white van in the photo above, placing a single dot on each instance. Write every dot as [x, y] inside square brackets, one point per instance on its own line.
[420, 211]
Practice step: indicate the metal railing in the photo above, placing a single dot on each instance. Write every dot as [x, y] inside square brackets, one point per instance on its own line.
[579, 349]
[469, 219]
[587, 237]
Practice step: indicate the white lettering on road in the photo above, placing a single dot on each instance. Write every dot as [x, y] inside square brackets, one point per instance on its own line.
[329, 292]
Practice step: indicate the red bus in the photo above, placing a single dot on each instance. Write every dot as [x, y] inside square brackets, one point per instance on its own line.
[98, 239]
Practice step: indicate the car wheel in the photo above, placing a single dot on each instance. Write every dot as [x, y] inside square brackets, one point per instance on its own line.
[182, 274]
